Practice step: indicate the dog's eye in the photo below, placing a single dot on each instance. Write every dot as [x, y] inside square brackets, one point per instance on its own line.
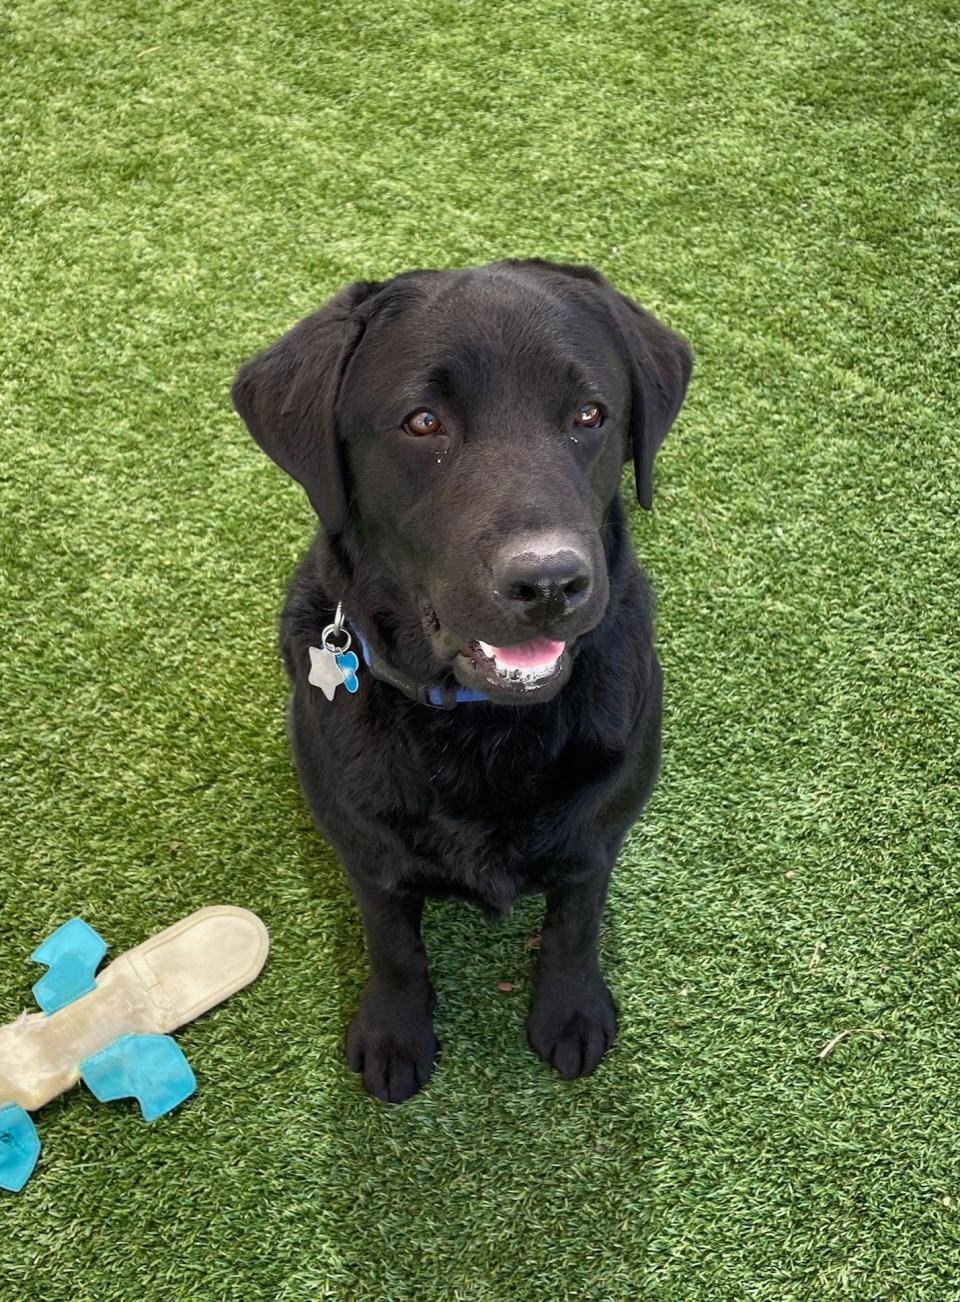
[589, 416]
[423, 422]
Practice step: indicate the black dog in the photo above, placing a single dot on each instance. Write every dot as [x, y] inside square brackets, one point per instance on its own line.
[461, 435]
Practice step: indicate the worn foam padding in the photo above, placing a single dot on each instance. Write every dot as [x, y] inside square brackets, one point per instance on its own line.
[19, 1147]
[162, 984]
[72, 954]
[153, 1069]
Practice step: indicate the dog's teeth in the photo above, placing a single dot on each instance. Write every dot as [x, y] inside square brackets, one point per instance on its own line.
[487, 650]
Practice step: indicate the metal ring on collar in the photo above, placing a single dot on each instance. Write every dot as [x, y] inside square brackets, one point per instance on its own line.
[336, 630]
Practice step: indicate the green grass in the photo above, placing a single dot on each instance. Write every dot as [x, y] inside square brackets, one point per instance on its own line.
[181, 182]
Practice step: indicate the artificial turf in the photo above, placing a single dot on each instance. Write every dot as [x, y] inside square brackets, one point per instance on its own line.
[181, 182]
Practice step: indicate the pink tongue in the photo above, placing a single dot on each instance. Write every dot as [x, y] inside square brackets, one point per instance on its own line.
[528, 655]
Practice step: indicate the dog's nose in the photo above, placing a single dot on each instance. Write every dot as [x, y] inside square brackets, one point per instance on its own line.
[541, 578]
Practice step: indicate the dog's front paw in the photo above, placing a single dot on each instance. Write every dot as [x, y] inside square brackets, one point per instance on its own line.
[393, 1045]
[572, 1024]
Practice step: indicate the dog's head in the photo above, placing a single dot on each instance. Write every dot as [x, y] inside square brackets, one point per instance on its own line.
[467, 429]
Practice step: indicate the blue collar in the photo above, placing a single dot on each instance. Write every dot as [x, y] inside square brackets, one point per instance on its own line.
[442, 696]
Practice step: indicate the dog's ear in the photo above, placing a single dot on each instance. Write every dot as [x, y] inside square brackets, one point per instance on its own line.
[659, 361]
[660, 366]
[287, 397]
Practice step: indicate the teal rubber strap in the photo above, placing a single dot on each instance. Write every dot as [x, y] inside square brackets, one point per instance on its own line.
[72, 953]
[153, 1069]
[19, 1147]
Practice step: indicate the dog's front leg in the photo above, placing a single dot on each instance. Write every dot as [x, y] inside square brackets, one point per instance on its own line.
[573, 1021]
[391, 1038]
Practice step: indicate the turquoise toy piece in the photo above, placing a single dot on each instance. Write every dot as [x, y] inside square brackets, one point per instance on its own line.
[19, 1147]
[72, 954]
[153, 1069]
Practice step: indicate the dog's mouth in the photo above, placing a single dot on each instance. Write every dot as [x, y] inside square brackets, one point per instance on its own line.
[524, 671]
[518, 673]
[524, 662]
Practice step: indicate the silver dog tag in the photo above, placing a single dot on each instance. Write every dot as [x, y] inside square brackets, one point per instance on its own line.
[325, 673]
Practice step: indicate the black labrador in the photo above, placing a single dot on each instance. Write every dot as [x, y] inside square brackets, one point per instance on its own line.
[482, 717]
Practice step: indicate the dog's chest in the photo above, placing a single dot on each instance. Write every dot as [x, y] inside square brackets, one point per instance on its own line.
[511, 772]
[506, 813]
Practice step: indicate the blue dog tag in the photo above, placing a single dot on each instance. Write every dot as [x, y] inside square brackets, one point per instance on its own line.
[348, 662]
